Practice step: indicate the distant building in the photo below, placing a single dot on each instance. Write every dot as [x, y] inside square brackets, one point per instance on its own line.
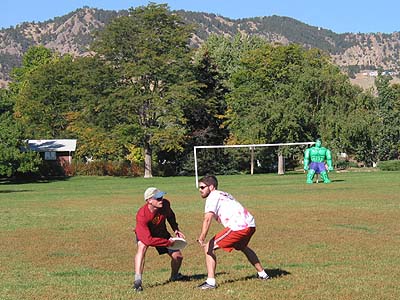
[59, 151]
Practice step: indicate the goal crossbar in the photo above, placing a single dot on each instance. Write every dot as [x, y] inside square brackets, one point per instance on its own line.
[250, 146]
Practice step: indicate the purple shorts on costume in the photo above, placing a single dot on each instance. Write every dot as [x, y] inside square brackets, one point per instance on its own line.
[318, 167]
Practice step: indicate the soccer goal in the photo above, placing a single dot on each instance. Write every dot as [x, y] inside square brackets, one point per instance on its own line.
[251, 147]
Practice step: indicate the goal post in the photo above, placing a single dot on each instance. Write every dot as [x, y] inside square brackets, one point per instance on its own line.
[250, 146]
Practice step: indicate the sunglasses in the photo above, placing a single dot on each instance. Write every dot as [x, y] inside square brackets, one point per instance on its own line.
[159, 199]
[203, 187]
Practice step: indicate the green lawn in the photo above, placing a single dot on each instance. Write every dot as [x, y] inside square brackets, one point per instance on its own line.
[73, 239]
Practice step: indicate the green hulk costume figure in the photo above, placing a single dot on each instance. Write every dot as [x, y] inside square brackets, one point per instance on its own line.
[314, 162]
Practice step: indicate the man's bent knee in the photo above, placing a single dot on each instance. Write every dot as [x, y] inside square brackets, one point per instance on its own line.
[141, 248]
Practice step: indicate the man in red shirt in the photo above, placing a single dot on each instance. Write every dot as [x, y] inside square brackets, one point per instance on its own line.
[151, 230]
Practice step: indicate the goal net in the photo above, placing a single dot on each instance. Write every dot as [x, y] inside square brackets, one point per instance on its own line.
[251, 147]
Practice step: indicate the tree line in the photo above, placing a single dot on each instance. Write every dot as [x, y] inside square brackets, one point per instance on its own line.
[145, 96]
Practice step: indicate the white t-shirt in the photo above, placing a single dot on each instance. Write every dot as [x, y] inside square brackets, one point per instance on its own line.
[228, 211]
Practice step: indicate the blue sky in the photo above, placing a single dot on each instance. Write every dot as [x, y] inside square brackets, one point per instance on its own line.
[337, 15]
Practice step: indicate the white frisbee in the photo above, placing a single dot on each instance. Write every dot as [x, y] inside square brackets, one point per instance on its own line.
[179, 244]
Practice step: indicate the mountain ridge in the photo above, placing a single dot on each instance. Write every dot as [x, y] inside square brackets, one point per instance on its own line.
[355, 53]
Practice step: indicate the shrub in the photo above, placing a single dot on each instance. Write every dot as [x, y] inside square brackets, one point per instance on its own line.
[342, 164]
[389, 165]
[105, 168]
[51, 169]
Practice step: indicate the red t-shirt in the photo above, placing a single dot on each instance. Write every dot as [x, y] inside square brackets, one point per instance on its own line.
[151, 228]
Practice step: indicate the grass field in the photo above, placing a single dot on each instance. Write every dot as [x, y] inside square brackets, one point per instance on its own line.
[73, 239]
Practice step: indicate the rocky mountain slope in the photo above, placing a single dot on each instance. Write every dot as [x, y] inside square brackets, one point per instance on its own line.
[355, 53]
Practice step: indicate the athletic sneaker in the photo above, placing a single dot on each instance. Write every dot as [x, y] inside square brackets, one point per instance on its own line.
[263, 278]
[206, 286]
[137, 286]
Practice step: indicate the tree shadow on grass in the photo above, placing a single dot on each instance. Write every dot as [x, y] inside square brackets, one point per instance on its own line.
[13, 191]
[33, 179]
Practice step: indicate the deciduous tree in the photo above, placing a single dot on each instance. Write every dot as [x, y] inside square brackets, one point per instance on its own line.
[149, 50]
[12, 142]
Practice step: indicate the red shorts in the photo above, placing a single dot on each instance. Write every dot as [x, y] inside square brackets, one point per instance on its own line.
[228, 240]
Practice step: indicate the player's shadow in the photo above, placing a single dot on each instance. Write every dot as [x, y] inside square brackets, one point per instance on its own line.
[273, 273]
[185, 278]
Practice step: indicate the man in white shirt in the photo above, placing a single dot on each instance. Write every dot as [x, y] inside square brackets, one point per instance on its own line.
[239, 228]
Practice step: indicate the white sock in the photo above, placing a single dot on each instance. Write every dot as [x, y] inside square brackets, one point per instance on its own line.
[138, 277]
[211, 281]
[263, 274]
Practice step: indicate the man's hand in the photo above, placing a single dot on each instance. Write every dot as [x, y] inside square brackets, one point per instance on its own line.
[201, 242]
[179, 234]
